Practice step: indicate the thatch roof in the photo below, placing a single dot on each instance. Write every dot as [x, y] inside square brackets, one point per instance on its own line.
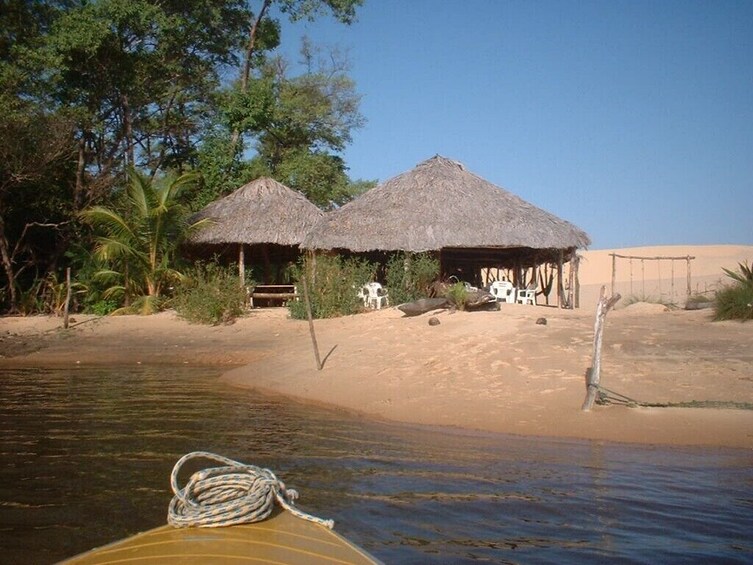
[262, 211]
[441, 205]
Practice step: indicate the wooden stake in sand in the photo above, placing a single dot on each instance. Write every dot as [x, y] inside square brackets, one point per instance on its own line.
[593, 375]
[311, 322]
[67, 296]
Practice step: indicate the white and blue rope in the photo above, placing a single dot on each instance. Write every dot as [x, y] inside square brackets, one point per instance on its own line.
[234, 493]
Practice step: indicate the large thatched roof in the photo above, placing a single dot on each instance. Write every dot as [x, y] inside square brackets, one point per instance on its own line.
[441, 205]
[262, 211]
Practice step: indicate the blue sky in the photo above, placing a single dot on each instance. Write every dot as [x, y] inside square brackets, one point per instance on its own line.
[631, 119]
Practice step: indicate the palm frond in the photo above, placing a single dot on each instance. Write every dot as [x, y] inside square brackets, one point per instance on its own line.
[139, 189]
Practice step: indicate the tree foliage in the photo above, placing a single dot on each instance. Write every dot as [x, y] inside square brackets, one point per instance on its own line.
[735, 301]
[137, 244]
[90, 90]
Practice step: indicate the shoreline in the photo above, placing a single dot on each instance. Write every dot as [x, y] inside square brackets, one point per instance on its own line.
[490, 371]
[494, 372]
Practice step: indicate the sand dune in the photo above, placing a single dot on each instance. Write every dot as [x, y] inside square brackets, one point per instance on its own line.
[663, 280]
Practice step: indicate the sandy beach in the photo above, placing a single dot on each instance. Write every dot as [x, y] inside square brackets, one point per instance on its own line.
[498, 371]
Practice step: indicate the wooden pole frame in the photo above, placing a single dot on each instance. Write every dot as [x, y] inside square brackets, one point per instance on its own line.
[615, 256]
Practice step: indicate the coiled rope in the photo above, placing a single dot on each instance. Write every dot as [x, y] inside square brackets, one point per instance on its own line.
[234, 493]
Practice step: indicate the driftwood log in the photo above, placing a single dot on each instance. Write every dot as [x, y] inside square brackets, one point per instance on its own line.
[593, 373]
[423, 305]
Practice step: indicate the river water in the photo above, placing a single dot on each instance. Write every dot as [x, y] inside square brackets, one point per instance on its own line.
[87, 455]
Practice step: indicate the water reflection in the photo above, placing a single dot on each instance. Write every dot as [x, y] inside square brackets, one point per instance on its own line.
[87, 456]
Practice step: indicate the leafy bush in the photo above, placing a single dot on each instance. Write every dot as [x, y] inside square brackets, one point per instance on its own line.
[409, 277]
[209, 294]
[332, 286]
[458, 295]
[735, 301]
[102, 307]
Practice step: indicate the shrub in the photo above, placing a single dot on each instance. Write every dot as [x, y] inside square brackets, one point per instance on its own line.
[102, 307]
[209, 294]
[458, 295]
[735, 301]
[409, 277]
[332, 286]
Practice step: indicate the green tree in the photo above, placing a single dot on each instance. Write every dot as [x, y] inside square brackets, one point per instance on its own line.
[138, 76]
[264, 34]
[298, 126]
[36, 147]
[139, 243]
[91, 89]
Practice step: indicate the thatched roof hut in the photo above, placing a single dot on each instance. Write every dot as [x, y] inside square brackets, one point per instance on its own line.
[263, 213]
[440, 206]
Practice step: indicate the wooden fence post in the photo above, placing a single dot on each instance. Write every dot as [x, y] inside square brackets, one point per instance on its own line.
[67, 296]
[593, 375]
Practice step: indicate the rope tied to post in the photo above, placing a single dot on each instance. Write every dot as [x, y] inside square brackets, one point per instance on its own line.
[234, 493]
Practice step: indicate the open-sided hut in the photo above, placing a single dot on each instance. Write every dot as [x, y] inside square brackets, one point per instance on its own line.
[265, 220]
[470, 223]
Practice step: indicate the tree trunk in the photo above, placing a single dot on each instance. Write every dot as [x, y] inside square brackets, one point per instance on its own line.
[246, 71]
[593, 373]
[78, 193]
[8, 266]
[128, 127]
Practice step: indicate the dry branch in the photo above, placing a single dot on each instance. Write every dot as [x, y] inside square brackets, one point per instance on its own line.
[593, 374]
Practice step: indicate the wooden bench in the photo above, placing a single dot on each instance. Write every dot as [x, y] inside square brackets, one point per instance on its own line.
[273, 292]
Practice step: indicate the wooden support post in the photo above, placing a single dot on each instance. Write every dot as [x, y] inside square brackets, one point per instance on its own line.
[614, 271]
[265, 256]
[311, 322]
[571, 300]
[577, 281]
[688, 258]
[241, 266]
[593, 375]
[672, 284]
[643, 279]
[560, 284]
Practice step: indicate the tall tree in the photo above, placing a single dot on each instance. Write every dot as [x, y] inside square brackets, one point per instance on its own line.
[138, 75]
[36, 146]
[92, 88]
[297, 126]
[263, 34]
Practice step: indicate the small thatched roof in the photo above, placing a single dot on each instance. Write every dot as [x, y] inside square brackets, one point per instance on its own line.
[262, 211]
[441, 205]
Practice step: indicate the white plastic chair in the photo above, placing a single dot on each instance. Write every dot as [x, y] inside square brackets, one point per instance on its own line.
[374, 295]
[527, 296]
[503, 291]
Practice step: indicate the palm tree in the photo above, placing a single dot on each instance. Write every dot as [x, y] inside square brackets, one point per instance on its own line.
[138, 245]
